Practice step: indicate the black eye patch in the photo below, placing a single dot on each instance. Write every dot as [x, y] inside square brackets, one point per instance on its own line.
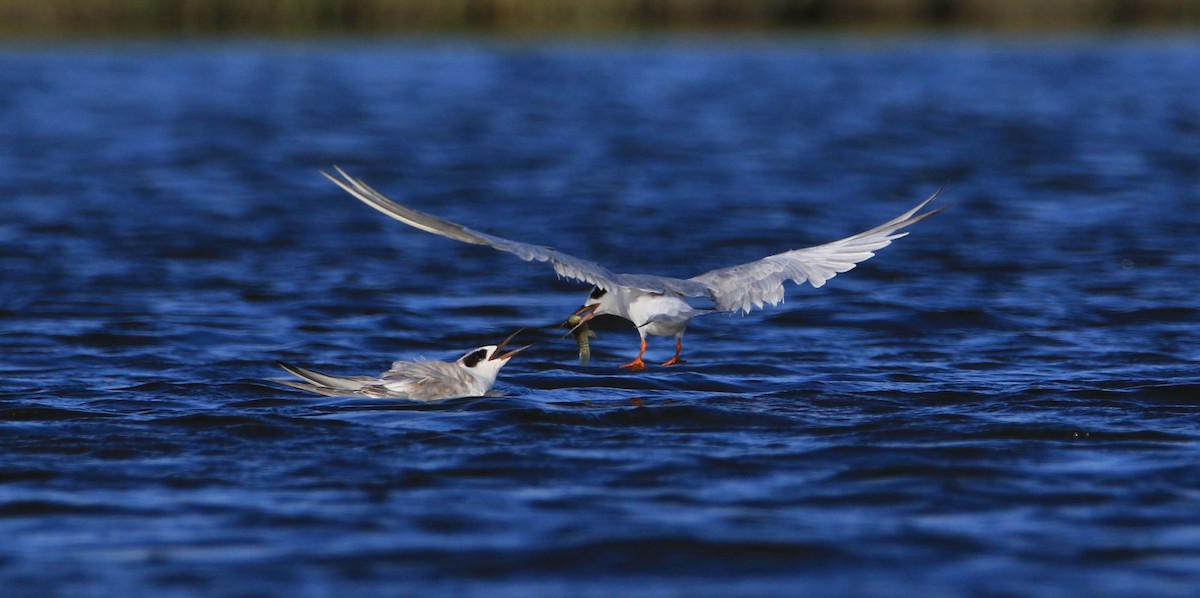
[597, 293]
[474, 358]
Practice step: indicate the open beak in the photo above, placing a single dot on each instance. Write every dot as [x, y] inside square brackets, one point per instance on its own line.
[584, 314]
[497, 353]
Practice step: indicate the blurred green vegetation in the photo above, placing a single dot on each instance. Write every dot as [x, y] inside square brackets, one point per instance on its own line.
[91, 17]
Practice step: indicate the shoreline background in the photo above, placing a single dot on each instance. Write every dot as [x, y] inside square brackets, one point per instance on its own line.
[41, 18]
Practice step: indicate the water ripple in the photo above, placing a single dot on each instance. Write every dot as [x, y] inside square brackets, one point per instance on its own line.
[1001, 403]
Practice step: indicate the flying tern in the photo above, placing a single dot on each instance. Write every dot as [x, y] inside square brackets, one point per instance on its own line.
[471, 375]
[657, 305]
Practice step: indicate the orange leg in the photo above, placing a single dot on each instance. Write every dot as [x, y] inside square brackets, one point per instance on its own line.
[678, 348]
[637, 363]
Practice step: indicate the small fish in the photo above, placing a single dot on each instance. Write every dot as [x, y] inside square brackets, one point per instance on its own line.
[583, 336]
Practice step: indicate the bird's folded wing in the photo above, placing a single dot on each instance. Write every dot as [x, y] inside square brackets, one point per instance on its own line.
[321, 390]
[564, 264]
[350, 383]
[428, 380]
[749, 286]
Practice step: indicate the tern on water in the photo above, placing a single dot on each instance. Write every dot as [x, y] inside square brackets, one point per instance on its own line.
[471, 375]
[657, 304]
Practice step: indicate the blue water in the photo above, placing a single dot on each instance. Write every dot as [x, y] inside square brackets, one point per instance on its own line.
[1006, 402]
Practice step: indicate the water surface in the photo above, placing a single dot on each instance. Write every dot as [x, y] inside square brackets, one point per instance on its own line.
[1002, 403]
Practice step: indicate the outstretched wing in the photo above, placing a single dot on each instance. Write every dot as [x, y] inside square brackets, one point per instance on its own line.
[565, 265]
[749, 286]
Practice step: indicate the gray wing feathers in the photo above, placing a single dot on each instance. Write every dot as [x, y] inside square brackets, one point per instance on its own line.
[416, 380]
[749, 286]
[567, 266]
[738, 288]
[321, 390]
[662, 284]
[429, 380]
[322, 381]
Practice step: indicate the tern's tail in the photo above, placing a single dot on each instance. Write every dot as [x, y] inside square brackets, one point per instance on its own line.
[321, 382]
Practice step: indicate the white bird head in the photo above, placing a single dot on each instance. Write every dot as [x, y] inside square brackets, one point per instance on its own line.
[485, 362]
[598, 303]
